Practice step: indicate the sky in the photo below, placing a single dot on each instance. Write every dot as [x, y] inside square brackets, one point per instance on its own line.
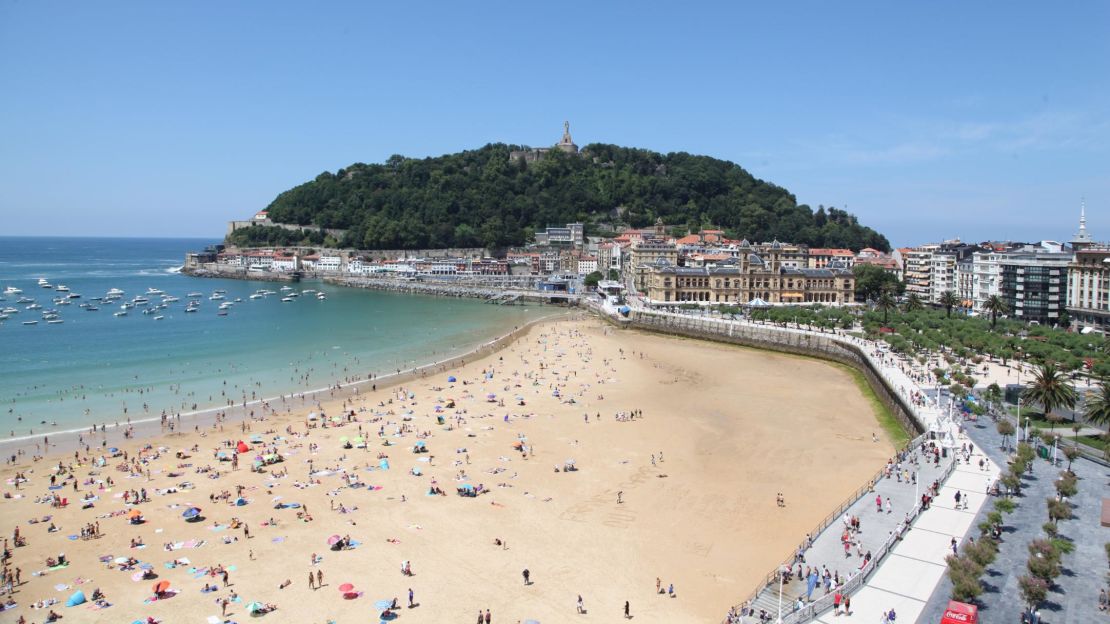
[929, 121]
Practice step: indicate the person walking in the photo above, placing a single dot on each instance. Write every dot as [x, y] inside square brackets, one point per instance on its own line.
[526, 574]
[311, 581]
[411, 596]
[488, 618]
[581, 605]
[319, 579]
[627, 611]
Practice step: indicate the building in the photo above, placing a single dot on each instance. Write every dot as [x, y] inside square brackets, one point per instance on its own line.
[819, 258]
[1034, 286]
[757, 274]
[646, 252]
[587, 265]
[529, 154]
[1088, 296]
[609, 257]
[918, 270]
[942, 275]
[570, 234]
[986, 277]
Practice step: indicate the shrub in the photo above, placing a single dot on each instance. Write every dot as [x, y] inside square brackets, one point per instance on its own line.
[964, 575]
[1062, 545]
[982, 553]
[1050, 529]
[1005, 505]
[1012, 482]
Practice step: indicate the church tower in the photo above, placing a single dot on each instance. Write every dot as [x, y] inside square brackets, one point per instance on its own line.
[1082, 239]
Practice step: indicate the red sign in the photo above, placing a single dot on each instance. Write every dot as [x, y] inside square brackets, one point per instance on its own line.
[960, 613]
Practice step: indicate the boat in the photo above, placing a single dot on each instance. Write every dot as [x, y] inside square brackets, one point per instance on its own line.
[30, 322]
[220, 291]
[61, 288]
[74, 295]
[222, 313]
[25, 300]
[150, 311]
[286, 288]
[43, 283]
[286, 299]
[140, 300]
[12, 290]
[120, 313]
[91, 308]
[256, 296]
[155, 291]
[115, 292]
[3, 317]
[10, 310]
[216, 297]
[159, 317]
[225, 305]
[194, 294]
[321, 296]
[169, 299]
[190, 309]
[55, 321]
[34, 306]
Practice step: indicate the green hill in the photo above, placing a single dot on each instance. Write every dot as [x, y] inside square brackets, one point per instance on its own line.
[482, 198]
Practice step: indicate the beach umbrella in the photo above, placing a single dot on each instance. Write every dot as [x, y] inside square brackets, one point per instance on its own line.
[312, 416]
[254, 606]
[346, 587]
[242, 447]
[382, 605]
[358, 440]
[420, 444]
[333, 540]
[343, 439]
[239, 502]
[134, 513]
[439, 408]
[191, 512]
[491, 396]
[161, 586]
[77, 598]
[146, 566]
[569, 462]
[113, 450]
[451, 379]
[120, 560]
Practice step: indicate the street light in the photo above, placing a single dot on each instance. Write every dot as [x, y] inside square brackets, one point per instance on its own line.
[1018, 417]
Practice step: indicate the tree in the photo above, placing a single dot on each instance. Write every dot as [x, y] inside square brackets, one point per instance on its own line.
[1097, 408]
[993, 395]
[996, 305]
[614, 275]
[1050, 389]
[1033, 590]
[1005, 429]
[592, 279]
[886, 303]
[1058, 510]
[913, 303]
[872, 281]
[1072, 453]
[949, 300]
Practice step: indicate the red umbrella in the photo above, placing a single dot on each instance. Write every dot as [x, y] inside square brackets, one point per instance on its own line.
[242, 447]
[346, 587]
[161, 586]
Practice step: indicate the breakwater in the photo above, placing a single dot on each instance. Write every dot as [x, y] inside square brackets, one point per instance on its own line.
[229, 272]
[501, 296]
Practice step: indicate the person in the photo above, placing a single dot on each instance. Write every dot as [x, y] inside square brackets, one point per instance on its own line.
[526, 574]
[311, 580]
[836, 603]
[627, 614]
[488, 618]
[1103, 600]
[582, 608]
[411, 595]
[319, 579]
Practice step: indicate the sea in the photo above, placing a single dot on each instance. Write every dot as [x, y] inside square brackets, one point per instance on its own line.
[97, 367]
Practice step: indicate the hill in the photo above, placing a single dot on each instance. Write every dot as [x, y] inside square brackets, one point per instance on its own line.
[483, 198]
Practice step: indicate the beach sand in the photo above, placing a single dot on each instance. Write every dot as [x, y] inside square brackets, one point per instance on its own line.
[728, 427]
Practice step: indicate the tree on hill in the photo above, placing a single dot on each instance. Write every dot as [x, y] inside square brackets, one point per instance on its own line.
[482, 198]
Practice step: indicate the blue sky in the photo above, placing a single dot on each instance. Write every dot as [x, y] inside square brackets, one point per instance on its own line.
[927, 120]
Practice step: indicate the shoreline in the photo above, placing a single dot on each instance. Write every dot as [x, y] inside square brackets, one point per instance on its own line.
[68, 440]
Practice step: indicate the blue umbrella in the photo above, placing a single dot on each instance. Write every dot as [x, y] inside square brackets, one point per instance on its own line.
[77, 598]
[113, 450]
[451, 379]
[191, 512]
[383, 604]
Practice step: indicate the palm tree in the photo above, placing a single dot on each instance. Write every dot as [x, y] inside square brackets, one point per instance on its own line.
[949, 300]
[1097, 408]
[886, 303]
[913, 302]
[996, 306]
[1050, 390]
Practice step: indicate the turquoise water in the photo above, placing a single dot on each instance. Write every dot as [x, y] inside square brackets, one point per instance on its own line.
[99, 368]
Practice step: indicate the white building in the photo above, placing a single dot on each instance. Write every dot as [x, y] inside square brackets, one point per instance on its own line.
[986, 277]
[942, 275]
[329, 263]
[587, 265]
[285, 264]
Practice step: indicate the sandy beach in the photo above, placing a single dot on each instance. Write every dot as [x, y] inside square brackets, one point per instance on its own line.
[680, 448]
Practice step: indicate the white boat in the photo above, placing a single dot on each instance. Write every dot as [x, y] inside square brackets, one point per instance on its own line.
[190, 309]
[34, 306]
[115, 292]
[10, 310]
[256, 296]
[194, 294]
[286, 299]
[169, 299]
[220, 291]
[154, 291]
[62, 288]
[12, 290]
[55, 321]
[120, 313]
[159, 317]
[74, 295]
[44, 284]
[30, 322]
[140, 300]
[286, 288]
[25, 300]
[3, 317]
[216, 297]
[222, 313]
[127, 306]
[91, 308]
[321, 297]
[225, 305]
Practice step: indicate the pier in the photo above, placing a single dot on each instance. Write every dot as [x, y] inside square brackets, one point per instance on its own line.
[492, 295]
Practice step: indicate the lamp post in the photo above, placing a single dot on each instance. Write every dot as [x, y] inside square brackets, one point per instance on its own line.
[1017, 418]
